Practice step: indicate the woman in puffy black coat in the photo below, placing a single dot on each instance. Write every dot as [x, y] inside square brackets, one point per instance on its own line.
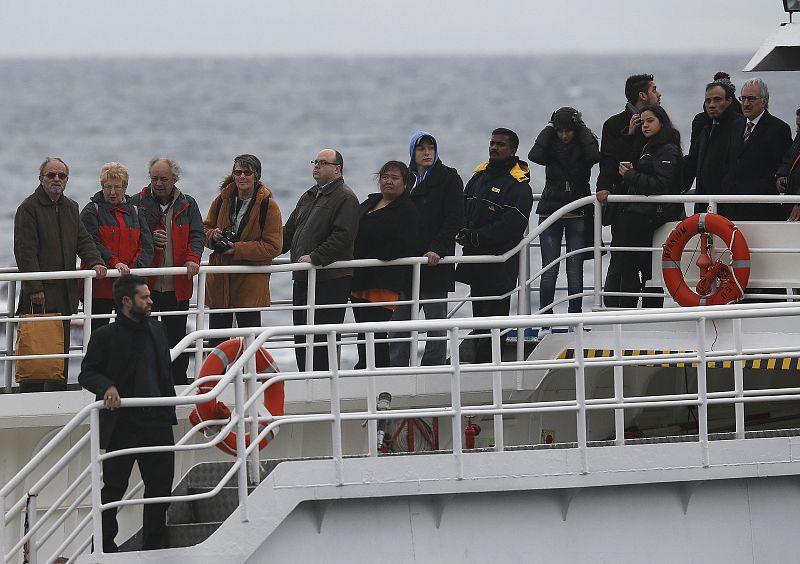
[387, 230]
[657, 172]
[568, 150]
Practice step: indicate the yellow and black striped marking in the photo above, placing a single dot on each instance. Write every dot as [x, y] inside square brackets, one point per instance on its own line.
[758, 363]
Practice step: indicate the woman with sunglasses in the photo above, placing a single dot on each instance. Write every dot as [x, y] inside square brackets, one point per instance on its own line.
[244, 228]
[120, 233]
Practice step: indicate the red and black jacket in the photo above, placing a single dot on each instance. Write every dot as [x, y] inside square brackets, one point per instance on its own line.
[187, 233]
[120, 233]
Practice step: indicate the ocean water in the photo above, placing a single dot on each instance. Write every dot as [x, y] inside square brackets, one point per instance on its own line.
[203, 112]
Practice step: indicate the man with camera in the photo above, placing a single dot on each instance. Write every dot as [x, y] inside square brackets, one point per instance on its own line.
[177, 227]
[322, 230]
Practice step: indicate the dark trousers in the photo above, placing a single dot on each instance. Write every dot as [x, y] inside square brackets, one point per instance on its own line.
[157, 470]
[51, 386]
[366, 315]
[176, 330]
[225, 321]
[487, 308]
[629, 271]
[334, 291]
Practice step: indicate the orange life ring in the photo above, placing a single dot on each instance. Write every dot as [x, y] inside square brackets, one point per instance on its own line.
[732, 277]
[216, 363]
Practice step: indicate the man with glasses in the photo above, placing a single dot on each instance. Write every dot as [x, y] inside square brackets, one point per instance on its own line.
[757, 145]
[177, 227]
[48, 234]
[321, 230]
[707, 158]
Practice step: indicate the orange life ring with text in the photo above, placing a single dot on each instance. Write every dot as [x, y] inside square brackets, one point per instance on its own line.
[216, 363]
[721, 282]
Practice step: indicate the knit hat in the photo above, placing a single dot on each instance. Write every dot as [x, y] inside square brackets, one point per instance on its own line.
[724, 78]
[566, 118]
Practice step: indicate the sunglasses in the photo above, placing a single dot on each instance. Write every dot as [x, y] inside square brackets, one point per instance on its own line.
[241, 172]
[52, 175]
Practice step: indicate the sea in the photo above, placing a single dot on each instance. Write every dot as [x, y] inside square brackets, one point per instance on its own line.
[205, 111]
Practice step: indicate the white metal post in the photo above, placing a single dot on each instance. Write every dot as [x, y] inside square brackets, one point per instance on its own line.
[33, 551]
[87, 314]
[311, 298]
[580, 398]
[455, 399]
[702, 415]
[251, 386]
[2, 526]
[200, 320]
[524, 295]
[415, 288]
[336, 431]
[497, 391]
[97, 472]
[738, 378]
[241, 448]
[619, 388]
[372, 396]
[598, 256]
[8, 366]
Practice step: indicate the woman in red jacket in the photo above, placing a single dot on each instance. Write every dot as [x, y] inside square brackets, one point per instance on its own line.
[120, 232]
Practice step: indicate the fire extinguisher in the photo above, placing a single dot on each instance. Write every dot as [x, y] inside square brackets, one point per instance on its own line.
[471, 431]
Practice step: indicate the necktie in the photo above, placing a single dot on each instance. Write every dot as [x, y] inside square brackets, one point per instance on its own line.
[748, 131]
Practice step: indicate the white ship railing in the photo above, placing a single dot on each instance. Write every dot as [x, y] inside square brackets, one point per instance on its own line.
[281, 266]
[248, 392]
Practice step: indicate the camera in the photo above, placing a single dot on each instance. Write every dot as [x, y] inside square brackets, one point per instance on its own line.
[229, 237]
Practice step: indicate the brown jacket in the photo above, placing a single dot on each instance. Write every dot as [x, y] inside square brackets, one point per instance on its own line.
[256, 247]
[47, 237]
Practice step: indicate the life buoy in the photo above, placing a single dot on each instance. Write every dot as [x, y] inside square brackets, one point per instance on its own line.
[731, 277]
[217, 363]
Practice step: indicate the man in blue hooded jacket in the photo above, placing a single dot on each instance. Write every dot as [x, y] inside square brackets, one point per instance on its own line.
[497, 204]
[437, 193]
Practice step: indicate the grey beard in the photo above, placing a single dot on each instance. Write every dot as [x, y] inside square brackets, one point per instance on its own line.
[54, 192]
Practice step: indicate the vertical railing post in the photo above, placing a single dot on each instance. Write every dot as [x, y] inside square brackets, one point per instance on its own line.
[524, 295]
[372, 395]
[702, 412]
[497, 391]
[311, 300]
[580, 398]
[336, 431]
[598, 256]
[455, 400]
[415, 289]
[619, 388]
[30, 510]
[2, 526]
[97, 473]
[8, 365]
[87, 314]
[241, 445]
[200, 320]
[738, 378]
[252, 412]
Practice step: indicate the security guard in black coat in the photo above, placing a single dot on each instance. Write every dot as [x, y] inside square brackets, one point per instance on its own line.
[497, 204]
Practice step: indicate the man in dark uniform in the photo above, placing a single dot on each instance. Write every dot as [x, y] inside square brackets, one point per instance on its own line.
[130, 359]
[497, 205]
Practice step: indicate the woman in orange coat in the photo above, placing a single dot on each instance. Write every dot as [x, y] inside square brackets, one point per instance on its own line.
[243, 228]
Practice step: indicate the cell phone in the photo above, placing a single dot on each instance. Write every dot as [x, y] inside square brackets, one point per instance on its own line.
[627, 164]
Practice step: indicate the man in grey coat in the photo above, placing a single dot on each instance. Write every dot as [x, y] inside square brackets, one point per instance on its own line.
[321, 230]
[48, 235]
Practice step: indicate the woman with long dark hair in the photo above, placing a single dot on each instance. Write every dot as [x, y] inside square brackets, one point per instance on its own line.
[387, 230]
[657, 172]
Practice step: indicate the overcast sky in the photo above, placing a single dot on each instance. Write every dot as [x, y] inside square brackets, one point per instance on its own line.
[57, 28]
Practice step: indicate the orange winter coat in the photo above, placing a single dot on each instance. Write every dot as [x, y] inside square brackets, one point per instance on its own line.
[256, 247]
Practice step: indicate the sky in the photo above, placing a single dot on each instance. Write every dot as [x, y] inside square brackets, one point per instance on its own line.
[164, 28]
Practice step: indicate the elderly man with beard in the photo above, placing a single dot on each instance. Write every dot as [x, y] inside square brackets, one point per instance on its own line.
[130, 359]
[48, 234]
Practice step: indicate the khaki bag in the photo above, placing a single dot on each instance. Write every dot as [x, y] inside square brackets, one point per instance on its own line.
[40, 337]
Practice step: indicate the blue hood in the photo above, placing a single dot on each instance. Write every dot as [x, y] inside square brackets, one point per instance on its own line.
[412, 166]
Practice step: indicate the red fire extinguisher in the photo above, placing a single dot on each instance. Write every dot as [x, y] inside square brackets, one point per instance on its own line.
[471, 431]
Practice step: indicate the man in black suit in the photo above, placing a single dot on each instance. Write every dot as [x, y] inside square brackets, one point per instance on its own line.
[756, 148]
[708, 155]
[130, 359]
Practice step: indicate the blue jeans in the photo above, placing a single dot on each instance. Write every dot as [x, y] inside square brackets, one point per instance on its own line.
[550, 240]
[435, 351]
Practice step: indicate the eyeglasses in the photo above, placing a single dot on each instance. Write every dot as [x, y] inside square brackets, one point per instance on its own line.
[52, 175]
[323, 163]
[715, 99]
[241, 172]
[749, 98]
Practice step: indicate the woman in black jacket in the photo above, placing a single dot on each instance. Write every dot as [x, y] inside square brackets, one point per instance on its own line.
[568, 150]
[657, 172]
[387, 230]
